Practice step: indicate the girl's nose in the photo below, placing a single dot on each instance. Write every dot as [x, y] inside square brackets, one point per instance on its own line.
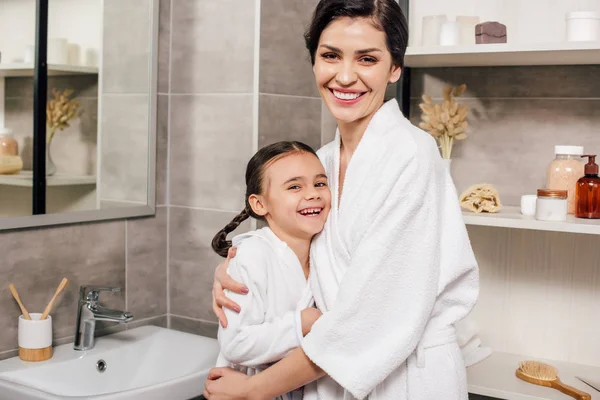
[312, 193]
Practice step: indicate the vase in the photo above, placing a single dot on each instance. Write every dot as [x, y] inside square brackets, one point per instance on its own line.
[50, 167]
[447, 162]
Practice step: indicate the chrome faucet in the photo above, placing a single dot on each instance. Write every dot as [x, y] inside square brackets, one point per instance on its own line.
[89, 311]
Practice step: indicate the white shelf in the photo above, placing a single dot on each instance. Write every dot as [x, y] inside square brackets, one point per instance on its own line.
[14, 70]
[495, 377]
[25, 179]
[511, 217]
[504, 54]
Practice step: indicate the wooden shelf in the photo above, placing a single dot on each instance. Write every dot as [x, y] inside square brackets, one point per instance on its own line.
[511, 217]
[504, 54]
[15, 70]
[25, 179]
[495, 377]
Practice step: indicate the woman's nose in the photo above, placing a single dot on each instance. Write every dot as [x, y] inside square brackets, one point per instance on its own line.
[346, 76]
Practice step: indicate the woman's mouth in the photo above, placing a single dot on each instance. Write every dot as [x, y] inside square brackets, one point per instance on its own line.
[346, 97]
[311, 212]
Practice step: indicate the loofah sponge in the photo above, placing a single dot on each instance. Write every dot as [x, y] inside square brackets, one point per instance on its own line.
[479, 198]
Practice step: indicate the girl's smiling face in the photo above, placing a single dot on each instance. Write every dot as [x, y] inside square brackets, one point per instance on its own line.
[353, 68]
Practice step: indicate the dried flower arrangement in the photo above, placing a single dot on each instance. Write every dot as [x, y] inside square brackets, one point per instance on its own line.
[446, 122]
[59, 111]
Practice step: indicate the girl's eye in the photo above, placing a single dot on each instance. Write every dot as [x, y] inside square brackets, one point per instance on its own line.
[294, 187]
[321, 184]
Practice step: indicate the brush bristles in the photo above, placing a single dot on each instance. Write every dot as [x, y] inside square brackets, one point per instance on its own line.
[538, 370]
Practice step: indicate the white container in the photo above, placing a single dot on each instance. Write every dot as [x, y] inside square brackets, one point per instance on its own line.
[450, 34]
[551, 205]
[528, 202]
[58, 51]
[583, 26]
[430, 29]
[35, 338]
[467, 29]
[29, 54]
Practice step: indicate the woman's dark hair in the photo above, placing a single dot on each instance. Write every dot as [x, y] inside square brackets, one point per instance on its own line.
[254, 185]
[387, 16]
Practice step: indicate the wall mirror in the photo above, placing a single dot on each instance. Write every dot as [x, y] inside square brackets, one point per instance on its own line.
[77, 110]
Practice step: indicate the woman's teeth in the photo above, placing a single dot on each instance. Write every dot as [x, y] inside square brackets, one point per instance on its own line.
[311, 211]
[346, 96]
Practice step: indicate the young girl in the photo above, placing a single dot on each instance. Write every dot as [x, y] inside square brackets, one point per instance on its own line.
[286, 186]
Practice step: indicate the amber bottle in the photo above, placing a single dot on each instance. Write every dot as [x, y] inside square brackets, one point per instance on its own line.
[588, 191]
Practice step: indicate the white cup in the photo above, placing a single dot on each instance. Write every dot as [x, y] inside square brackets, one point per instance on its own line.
[528, 204]
[430, 29]
[450, 34]
[58, 51]
[33, 333]
[583, 26]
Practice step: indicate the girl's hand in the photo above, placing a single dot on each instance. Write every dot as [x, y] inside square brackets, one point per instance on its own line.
[224, 281]
[228, 384]
[309, 317]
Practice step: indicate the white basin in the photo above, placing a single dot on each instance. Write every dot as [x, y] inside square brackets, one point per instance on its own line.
[142, 363]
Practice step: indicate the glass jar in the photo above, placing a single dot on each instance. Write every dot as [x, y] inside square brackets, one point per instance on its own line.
[551, 205]
[564, 172]
[8, 144]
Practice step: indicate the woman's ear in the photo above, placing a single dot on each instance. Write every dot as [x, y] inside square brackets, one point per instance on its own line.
[258, 205]
[395, 73]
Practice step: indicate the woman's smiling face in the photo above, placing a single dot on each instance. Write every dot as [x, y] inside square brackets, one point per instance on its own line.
[353, 68]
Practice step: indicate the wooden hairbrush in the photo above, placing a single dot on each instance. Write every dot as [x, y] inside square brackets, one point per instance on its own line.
[546, 375]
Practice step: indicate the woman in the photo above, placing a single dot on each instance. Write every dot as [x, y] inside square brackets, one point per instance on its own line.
[393, 269]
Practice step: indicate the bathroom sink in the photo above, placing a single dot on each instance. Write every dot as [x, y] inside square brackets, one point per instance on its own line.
[142, 363]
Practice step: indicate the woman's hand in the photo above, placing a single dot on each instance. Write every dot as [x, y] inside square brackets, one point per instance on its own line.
[228, 384]
[224, 281]
[309, 317]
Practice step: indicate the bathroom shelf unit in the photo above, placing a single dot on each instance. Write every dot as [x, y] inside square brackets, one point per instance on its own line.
[511, 217]
[495, 377]
[504, 54]
[21, 70]
[25, 179]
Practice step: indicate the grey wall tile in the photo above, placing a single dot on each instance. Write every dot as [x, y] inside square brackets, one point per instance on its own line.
[211, 142]
[37, 260]
[328, 125]
[543, 81]
[162, 149]
[285, 66]
[213, 46]
[126, 43]
[289, 118]
[511, 142]
[197, 327]
[124, 163]
[147, 265]
[192, 260]
[161, 321]
[164, 45]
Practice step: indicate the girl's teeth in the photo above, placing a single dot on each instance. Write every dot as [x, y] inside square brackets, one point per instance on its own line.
[346, 96]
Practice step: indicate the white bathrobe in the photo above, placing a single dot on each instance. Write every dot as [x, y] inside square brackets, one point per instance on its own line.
[269, 324]
[392, 271]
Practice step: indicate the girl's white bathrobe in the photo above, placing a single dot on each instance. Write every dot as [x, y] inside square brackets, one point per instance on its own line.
[269, 324]
[392, 271]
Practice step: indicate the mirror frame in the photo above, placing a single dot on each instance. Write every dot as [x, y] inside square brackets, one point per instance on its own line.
[44, 220]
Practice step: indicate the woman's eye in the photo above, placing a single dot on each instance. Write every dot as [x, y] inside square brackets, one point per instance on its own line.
[368, 60]
[329, 56]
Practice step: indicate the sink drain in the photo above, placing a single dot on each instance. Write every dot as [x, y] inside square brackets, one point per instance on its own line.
[101, 366]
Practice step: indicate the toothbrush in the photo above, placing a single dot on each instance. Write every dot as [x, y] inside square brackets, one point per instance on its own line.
[13, 290]
[61, 286]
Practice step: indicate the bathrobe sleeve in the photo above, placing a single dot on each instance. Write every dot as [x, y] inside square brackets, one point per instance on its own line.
[388, 292]
[249, 339]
